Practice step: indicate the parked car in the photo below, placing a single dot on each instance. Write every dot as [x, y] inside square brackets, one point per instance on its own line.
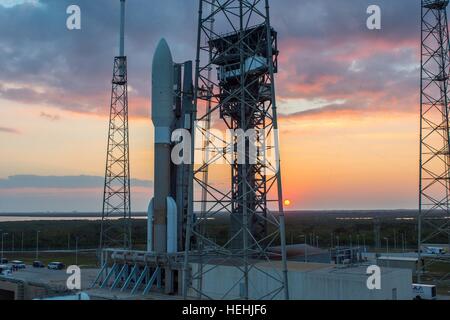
[17, 264]
[5, 270]
[435, 250]
[56, 266]
[3, 261]
[38, 264]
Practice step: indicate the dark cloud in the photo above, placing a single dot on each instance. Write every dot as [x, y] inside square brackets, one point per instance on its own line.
[330, 108]
[329, 54]
[63, 182]
[326, 51]
[51, 117]
[342, 20]
[9, 130]
[72, 69]
[29, 193]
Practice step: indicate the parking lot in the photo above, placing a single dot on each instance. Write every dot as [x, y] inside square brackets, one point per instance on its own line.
[52, 278]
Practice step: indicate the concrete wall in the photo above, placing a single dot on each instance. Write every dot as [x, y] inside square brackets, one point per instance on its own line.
[6, 295]
[349, 284]
[21, 291]
[33, 292]
[398, 264]
[317, 284]
[8, 288]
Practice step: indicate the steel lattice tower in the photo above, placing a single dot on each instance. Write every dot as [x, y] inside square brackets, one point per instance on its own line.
[433, 222]
[237, 42]
[116, 196]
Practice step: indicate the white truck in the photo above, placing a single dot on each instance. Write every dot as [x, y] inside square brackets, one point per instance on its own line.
[435, 250]
[424, 292]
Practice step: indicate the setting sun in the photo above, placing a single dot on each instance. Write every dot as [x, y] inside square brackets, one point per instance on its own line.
[287, 202]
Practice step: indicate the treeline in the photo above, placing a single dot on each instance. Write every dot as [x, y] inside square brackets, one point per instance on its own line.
[61, 235]
[323, 230]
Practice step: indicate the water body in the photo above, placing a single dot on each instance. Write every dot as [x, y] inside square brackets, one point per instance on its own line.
[23, 217]
[350, 215]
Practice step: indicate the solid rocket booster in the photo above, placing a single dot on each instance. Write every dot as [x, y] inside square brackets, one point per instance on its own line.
[162, 209]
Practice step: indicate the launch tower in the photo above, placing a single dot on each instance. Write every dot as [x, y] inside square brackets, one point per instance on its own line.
[238, 96]
[433, 222]
[116, 196]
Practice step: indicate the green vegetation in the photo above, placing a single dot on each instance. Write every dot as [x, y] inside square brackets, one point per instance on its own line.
[351, 227]
[61, 235]
[328, 228]
[325, 227]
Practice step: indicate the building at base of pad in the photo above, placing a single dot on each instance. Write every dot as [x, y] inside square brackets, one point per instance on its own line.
[309, 281]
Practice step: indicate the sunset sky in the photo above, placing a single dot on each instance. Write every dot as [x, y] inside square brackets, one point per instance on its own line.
[348, 98]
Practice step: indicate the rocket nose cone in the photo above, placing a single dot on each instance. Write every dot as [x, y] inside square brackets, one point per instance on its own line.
[162, 86]
[162, 56]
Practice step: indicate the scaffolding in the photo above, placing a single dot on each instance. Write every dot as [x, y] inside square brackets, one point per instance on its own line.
[116, 214]
[433, 220]
[239, 96]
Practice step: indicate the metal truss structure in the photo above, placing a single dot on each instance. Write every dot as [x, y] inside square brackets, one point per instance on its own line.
[136, 273]
[434, 213]
[116, 214]
[239, 97]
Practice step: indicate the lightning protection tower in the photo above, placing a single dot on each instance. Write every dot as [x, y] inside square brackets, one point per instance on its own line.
[116, 217]
[236, 42]
[433, 226]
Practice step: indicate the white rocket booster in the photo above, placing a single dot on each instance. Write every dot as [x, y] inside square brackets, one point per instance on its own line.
[162, 211]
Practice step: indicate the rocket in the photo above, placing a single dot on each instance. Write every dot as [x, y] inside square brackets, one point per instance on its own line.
[172, 109]
[162, 211]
